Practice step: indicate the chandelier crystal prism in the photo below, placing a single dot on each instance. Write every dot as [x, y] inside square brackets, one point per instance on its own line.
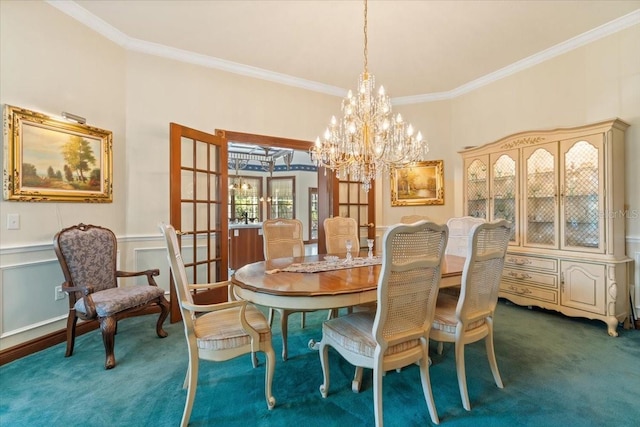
[368, 139]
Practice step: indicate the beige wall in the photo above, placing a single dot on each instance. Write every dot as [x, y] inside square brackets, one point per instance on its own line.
[51, 63]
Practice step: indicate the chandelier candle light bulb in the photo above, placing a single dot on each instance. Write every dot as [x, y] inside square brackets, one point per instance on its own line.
[368, 139]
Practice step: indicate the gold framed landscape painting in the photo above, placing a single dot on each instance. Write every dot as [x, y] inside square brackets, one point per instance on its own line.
[420, 183]
[52, 160]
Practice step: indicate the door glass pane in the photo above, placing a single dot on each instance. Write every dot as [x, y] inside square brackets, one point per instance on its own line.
[214, 187]
[202, 160]
[214, 246]
[186, 152]
[214, 218]
[477, 189]
[581, 196]
[201, 216]
[363, 194]
[186, 216]
[354, 210]
[202, 189]
[354, 192]
[541, 198]
[186, 183]
[214, 152]
[201, 271]
[343, 191]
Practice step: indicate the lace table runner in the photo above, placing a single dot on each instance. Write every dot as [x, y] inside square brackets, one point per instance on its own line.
[318, 266]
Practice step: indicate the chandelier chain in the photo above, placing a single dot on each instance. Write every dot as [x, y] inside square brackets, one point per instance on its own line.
[366, 40]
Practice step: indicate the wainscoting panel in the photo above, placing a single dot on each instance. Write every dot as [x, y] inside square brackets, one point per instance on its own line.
[150, 258]
[28, 295]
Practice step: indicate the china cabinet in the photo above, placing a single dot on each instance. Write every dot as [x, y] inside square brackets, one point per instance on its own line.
[563, 191]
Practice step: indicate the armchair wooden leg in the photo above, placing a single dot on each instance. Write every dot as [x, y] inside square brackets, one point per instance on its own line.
[164, 312]
[108, 327]
[72, 320]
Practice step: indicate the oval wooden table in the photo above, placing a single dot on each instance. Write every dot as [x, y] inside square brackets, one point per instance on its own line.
[263, 283]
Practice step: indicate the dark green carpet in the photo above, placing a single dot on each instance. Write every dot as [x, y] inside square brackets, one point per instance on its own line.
[557, 371]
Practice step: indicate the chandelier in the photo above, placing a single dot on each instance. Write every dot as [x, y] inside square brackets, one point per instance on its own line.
[237, 183]
[368, 139]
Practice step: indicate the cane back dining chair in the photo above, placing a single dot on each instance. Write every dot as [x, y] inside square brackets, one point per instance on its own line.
[469, 317]
[397, 333]
[282, 238]
[459, 229]
[216, 332]
[410, 219]
[87, 256]
[337, 231]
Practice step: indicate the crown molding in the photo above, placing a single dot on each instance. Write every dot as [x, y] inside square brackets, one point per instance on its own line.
[82, 15]
[155, 49]
[87, 18]
[597, 33]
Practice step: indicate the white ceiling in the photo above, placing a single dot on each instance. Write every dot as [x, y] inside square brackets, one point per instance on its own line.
[418, 49]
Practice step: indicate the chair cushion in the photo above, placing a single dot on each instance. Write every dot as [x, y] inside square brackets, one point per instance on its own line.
[445, 318]
[354, 333]
[115, 300]
[219, 330]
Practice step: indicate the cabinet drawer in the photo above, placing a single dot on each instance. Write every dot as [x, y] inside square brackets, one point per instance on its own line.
[531, 292]
[531, 262]
[526, 276]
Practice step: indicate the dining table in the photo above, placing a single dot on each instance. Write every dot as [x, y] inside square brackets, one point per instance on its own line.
[317, 282]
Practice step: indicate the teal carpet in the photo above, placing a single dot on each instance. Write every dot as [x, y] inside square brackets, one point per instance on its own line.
[557, 371]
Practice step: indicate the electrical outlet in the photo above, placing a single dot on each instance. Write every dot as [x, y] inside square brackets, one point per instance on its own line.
[59, 293]
[13, 222]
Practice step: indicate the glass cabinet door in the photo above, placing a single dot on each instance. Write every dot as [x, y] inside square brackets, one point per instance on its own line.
[541, 196]
[504, 190]
[582, 194]
[477, 191]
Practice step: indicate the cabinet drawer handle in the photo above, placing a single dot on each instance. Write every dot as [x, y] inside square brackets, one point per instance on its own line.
[519, 261]
[520, 291]
[519, 275]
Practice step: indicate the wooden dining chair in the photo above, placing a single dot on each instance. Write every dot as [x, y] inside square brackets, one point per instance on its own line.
[216, 332]
[397, 333]
[469, 317]
[282, 238]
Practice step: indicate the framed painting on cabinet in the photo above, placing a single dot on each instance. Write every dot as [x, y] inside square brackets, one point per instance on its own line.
[52, 160]
[420, 183]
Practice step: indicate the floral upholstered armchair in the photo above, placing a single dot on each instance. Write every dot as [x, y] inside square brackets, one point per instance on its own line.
[87, 255]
